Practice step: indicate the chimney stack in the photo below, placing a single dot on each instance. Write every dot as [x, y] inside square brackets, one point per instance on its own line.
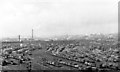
[19, 38]
[32, 33]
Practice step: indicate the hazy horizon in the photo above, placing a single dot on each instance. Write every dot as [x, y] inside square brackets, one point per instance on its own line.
[57, 17]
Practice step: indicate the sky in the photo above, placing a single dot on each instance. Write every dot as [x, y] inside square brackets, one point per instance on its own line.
[57, 17]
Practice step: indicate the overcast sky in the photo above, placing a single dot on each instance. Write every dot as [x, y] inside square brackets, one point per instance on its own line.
[57, 17]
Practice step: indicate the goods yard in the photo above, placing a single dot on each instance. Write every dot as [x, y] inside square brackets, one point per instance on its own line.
[83, 54]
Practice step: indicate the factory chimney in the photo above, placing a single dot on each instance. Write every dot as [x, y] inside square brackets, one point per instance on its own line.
[19, 38]
[32, 33]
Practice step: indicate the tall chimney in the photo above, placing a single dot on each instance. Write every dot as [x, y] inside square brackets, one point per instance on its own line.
[32, 33]
[19, 38]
